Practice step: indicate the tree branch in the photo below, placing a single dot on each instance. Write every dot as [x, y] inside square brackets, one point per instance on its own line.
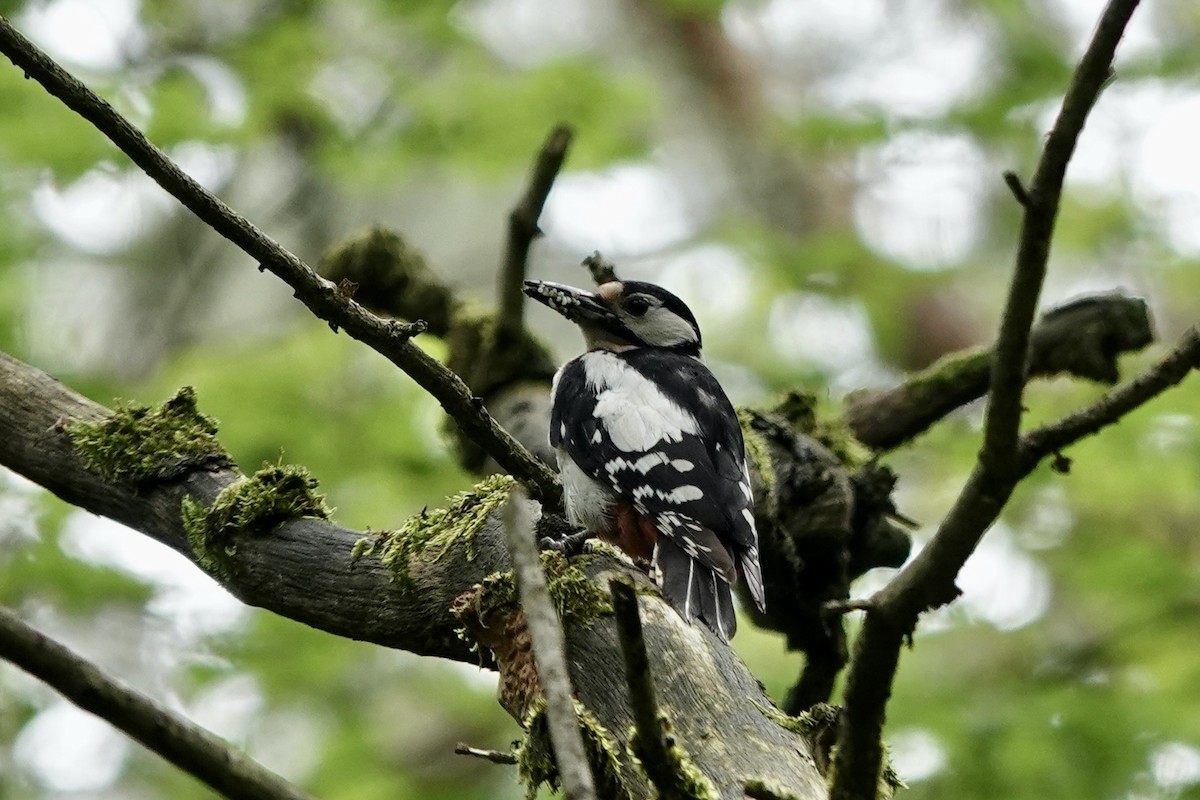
[1083, 338]
[1003, 416]
[388, 337]
[185, 744]
[304, 570]
[523, 229]
[601, 269]
[307, 570]
[928, 580]
[1168, 372]
[503, 757]
[546, 633]
[651, 746]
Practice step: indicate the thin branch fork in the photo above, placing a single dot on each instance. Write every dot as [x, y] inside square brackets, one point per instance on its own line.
[928, 581]
[185, 744]
[1003, 415]
[322, 297]
[523, 229]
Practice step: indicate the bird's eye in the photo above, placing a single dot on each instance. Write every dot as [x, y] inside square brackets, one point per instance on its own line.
[637, 305]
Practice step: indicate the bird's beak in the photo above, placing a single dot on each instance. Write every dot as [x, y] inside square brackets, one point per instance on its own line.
[580, 306]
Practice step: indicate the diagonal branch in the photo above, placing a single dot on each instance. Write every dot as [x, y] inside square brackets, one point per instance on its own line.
[1172, 369]
[523, 229]
[1003, 416]
[928, 580]
[185, 744]
[390, 338]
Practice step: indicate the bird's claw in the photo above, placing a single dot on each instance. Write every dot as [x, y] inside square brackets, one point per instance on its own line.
[569, 544]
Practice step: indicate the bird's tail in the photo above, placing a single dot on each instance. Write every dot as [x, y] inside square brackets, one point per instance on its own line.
[694, 590]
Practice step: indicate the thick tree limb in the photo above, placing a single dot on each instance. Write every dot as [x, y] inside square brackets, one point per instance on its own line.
[546, 633]
[523, 229]
[306, 570]
[186, 745]
[322, 297]
[1083, 338]
[928, 580]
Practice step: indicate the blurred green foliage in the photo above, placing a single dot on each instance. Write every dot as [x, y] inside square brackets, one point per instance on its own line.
[326, 108]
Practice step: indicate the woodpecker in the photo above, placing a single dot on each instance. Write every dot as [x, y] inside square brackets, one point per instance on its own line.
[649, 449]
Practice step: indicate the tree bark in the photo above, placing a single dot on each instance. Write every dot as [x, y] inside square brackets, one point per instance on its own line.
[307, 570]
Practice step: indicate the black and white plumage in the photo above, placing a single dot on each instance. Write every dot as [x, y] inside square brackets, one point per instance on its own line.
[649, 448]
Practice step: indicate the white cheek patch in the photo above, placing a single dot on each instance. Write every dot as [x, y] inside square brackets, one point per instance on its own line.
[662, 328]
[634, 412]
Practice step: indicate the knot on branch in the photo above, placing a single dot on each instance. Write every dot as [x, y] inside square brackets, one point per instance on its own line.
[1085, 336]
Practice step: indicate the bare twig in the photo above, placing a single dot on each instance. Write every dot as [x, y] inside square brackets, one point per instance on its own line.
[601, 269]
[837, 608]
[928, 580]
[506, 757]
[523, 229]
[549, 653]
[1003, 416]
[322, 297]
[1173, 368]
[186, 745]
[1013, 181]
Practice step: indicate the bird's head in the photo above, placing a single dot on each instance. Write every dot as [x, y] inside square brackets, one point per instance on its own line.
[622, 315]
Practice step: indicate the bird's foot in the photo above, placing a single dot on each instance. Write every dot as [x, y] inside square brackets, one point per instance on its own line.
[569, 544]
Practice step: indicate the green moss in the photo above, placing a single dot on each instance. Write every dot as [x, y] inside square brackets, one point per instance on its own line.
[803, 410]
[254, 505]
[576, 597]
[688, 780]
[535, 762]
[139, 445]
[808, 723]
[948, 370]
[757, 448]
[434, 530]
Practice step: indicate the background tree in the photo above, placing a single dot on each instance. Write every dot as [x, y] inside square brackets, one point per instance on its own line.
[842, 205]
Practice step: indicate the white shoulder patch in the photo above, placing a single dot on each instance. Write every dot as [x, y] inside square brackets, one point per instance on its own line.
[634, 412]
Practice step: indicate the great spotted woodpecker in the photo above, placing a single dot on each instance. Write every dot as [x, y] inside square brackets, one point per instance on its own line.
[649, 449]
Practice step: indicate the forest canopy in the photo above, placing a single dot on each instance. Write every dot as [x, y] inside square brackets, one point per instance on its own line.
[824, 185]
